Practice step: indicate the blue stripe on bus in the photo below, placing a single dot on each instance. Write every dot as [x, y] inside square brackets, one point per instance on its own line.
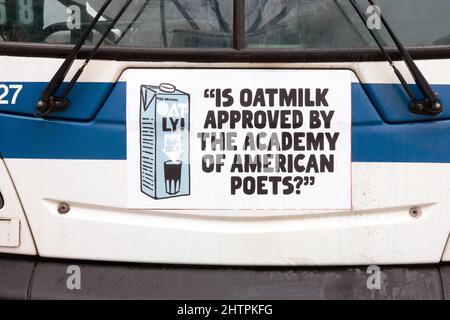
[390, 100]
[104, 138]
[86, 99]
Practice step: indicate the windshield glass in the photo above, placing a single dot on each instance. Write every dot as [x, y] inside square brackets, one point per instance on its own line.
[300, 24]
[328, 24]
[146, 23]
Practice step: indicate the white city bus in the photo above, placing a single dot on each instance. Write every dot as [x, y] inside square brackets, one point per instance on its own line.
[246, 133]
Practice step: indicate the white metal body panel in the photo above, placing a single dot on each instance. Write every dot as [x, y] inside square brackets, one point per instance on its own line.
[99, 227]
[379, 230]
[446, 255]
[9, 232]
[15, 235]
[42, 69]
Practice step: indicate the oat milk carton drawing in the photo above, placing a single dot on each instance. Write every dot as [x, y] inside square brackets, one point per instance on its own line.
[164, 126]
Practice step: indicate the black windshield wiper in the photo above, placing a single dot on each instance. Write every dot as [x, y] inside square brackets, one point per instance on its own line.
[49, 102]
[430, 105]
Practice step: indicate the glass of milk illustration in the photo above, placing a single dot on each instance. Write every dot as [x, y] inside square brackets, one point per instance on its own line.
[164, 134]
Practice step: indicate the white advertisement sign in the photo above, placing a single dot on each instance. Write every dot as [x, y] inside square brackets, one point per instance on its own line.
[238, 139]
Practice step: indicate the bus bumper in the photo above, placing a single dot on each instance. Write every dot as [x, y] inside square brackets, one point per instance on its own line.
[25, 278]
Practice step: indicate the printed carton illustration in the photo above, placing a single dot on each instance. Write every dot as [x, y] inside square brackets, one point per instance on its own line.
[164, 130]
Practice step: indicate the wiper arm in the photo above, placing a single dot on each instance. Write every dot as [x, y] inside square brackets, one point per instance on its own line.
[431, 105]
[49, 102]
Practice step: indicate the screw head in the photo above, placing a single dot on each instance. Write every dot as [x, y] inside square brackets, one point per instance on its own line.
[437, 106]
[63, 208]
[420, 106]
[415, 212]
[41, 105]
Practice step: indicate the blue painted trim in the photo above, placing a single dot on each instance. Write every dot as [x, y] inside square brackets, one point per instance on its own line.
[86, 99]
[100, 139]
[392, 102]
[104, 138]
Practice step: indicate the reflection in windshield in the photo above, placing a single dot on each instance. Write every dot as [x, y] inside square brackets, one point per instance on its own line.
[328, 24]
[147, 23]
[178, 23]
[302, 24]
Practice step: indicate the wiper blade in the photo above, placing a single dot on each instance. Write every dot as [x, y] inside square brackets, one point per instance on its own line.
[430, 105]
[49, 102]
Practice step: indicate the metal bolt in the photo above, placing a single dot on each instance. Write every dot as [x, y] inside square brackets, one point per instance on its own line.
[415, 212]
[420, 106]
[437, 106]
[63, 208]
